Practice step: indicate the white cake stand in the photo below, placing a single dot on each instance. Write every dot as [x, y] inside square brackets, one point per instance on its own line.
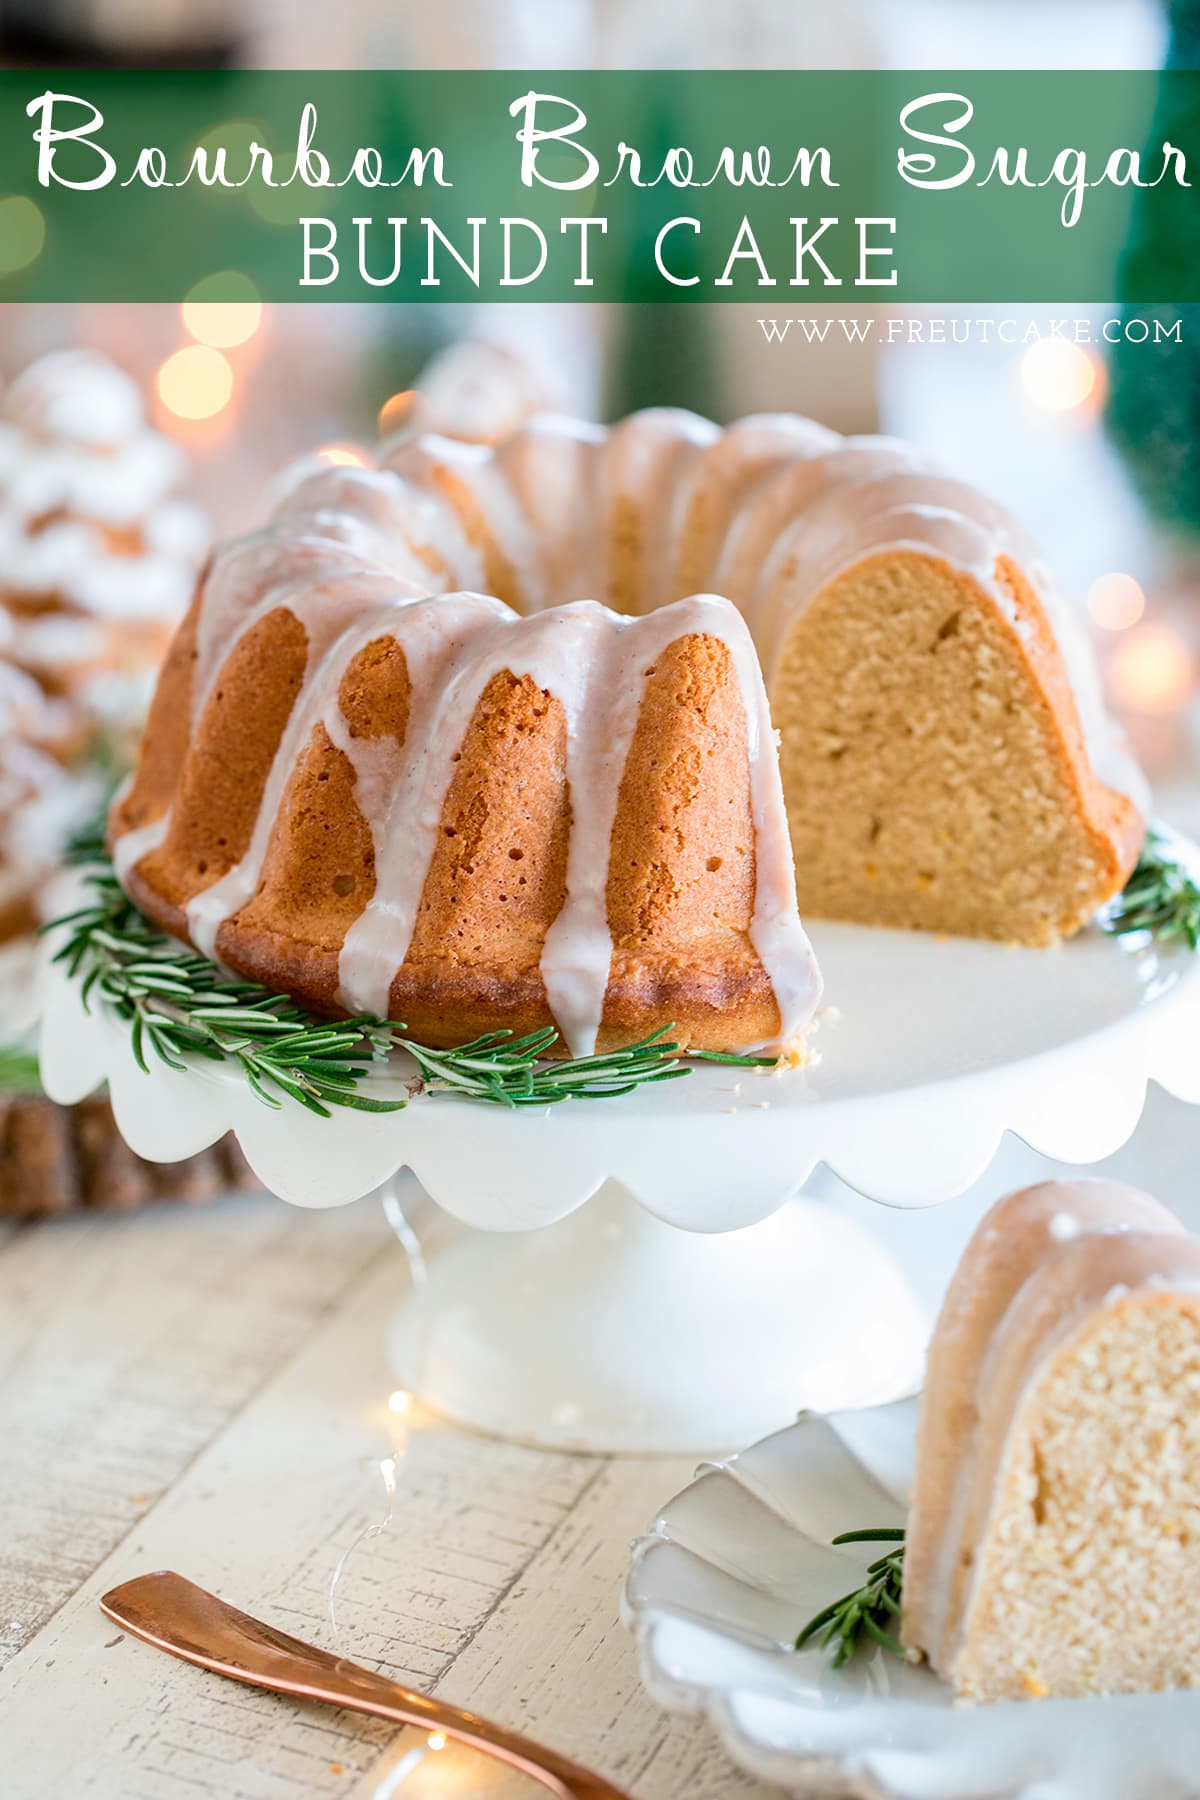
[607, 1326]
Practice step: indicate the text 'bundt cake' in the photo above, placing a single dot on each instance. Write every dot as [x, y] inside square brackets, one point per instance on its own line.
[481, 811]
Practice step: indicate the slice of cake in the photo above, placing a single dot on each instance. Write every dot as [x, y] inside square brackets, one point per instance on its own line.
[1054, 1537]
[946, 758]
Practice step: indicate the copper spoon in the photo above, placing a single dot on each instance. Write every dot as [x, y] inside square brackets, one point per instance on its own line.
[175, 1615]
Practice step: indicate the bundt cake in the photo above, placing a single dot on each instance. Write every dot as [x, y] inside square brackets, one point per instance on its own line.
[946, 759]
[1055, 1517]
[99, 552]
[438, 811]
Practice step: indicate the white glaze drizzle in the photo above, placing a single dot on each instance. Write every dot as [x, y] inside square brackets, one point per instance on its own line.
[591, 661]
[809, 499]
[551, 467]
[429, 461]
[139, 841]
[442, 642]
[331, 612]
[637, 473]
[604, 679]
[414, 525]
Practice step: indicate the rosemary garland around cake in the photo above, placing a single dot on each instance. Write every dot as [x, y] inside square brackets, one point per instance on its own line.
[178, 1004]
[1161, 897]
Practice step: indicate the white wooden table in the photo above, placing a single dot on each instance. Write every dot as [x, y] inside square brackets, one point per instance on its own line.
[207, 1390]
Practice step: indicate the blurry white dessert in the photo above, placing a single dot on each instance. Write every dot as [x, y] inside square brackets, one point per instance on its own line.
[476, 391]
[41, 801]
[99, 551]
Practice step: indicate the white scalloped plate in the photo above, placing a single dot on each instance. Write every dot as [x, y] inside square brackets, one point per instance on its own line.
[930, 1050]
[737, 1562]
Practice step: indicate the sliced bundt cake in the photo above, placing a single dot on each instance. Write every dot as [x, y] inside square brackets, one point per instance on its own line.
[1055, 1518]
[468, 818]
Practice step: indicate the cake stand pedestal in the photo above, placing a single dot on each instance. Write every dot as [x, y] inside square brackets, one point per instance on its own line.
[610, 1330]
[700, 1298]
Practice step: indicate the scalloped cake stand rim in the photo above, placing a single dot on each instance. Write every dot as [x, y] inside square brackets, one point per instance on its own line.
[1054, 1046]
[603, 1328]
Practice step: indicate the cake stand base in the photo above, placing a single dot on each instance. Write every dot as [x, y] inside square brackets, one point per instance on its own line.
[612, 1332]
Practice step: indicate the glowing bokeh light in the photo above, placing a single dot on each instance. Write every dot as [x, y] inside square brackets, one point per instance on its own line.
[283, 205]
[195, 383]
[436, 1740]
[1116, 601]
[235, 137]
[342, 456]
[22, 233]
[394, 412]
[1058, 375]
[223, 310]
[1152, 670]
[400, 1401]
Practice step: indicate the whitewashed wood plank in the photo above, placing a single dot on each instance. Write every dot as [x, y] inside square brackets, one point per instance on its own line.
[554, 1660]
[496, 1583]
[262, 1516]
[126, 1343]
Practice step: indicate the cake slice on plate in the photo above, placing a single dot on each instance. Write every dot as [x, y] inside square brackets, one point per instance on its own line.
[1054, 1539]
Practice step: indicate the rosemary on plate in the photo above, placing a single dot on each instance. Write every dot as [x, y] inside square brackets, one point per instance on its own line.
[870, 1609]
[1160, 897]
[178, 1004]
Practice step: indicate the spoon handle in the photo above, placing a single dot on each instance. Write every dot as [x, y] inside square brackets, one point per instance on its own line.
[175, 1615]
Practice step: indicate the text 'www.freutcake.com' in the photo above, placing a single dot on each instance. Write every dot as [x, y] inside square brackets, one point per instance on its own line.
[981, 329]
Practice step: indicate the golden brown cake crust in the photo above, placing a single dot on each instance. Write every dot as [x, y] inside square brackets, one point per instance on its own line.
[166, 737]
[682, 870]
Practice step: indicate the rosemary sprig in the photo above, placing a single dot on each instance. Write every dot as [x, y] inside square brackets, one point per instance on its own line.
[868, 1609]
[86, 846]
[1160, 897]
[178, 1004]
[18, 1071]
